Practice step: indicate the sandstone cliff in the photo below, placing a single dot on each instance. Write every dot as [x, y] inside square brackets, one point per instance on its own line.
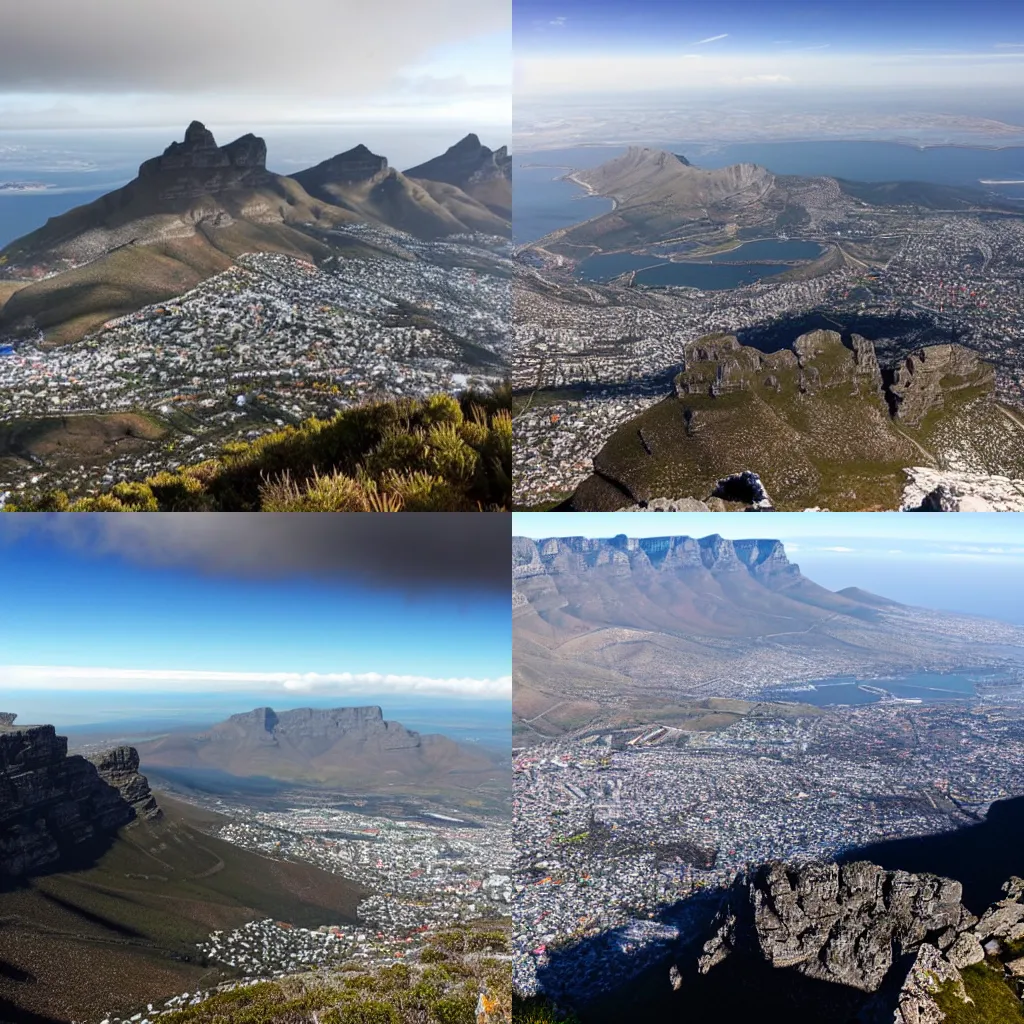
[821, 423]
[53, 805]
[904, 940]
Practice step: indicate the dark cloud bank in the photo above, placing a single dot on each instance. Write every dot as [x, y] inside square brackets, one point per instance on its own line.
[412, 551]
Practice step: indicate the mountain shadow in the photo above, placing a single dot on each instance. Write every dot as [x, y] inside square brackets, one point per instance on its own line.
[981, 857]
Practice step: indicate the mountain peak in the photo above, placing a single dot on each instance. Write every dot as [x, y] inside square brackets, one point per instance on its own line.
[197, 134]
[471, 141]
[354, 165]
[198, 166]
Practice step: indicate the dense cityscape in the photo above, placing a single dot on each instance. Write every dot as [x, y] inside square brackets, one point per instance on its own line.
[271, 341]
[614, 828]
[589, 357]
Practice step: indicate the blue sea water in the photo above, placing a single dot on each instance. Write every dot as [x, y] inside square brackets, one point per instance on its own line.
[927, 687]
[542, 203]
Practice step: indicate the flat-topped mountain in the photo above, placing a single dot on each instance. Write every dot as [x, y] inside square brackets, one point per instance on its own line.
[344, 746]
[364, 184]
[821, 422]
[602, 626]
[482, 173]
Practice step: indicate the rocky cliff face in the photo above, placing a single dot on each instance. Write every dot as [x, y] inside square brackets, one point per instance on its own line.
[897, 937]
[120, 768]
[920, 382]
[52, 805]
[763, 559]
[198, 166]
[843, 924]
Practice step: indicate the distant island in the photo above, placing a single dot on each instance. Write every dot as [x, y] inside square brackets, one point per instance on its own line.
[24, 186]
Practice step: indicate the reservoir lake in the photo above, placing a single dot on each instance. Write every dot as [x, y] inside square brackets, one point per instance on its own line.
[923, 687]
[723, 269]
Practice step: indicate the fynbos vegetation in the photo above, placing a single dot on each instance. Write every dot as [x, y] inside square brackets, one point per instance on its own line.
[439, 454]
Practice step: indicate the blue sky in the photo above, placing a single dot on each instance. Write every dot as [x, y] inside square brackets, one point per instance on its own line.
[622, 45]
[966, 562]
[81, 619]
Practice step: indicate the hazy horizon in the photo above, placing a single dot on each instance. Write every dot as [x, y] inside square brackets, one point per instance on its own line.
[167, 617]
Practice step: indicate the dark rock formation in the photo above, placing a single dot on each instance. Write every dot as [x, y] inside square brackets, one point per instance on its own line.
[53, 805]
[354, 166]
[746, 488]
[7, 718]
[843, 924]
[467, 162]
[921, 381]
[198, 166]
[120, 768]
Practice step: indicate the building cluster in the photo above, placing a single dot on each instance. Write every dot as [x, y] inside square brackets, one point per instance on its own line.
[419, 874]
[613, 828]
[274, 340]
[591, 356]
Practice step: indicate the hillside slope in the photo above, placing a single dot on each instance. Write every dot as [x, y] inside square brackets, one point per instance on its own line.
[123, 930]
[820, 422]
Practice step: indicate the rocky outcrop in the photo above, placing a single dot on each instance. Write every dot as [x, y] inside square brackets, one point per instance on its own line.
[468, 162]
[197, 166]
[934, 490]
[52, 804]
[349, 168]
[668, 505]
[930, 971]
[845, 924]
[120, 768]
[921, 382]
[719, 364]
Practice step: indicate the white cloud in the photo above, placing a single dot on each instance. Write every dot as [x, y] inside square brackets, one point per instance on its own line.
[559, 21]
[138, 680]
[711, 39]
[839, 548]
[552, 72]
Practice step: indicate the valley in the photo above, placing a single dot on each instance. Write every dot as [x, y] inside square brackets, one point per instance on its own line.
[698, 780]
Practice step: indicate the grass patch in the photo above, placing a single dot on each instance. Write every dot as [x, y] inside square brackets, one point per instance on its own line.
[536, 1010]
[994, 1001]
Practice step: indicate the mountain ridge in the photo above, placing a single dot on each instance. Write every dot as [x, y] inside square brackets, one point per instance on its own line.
[608, 627]
[192, 210]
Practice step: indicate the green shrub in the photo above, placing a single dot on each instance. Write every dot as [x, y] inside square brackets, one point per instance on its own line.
[440, 454]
